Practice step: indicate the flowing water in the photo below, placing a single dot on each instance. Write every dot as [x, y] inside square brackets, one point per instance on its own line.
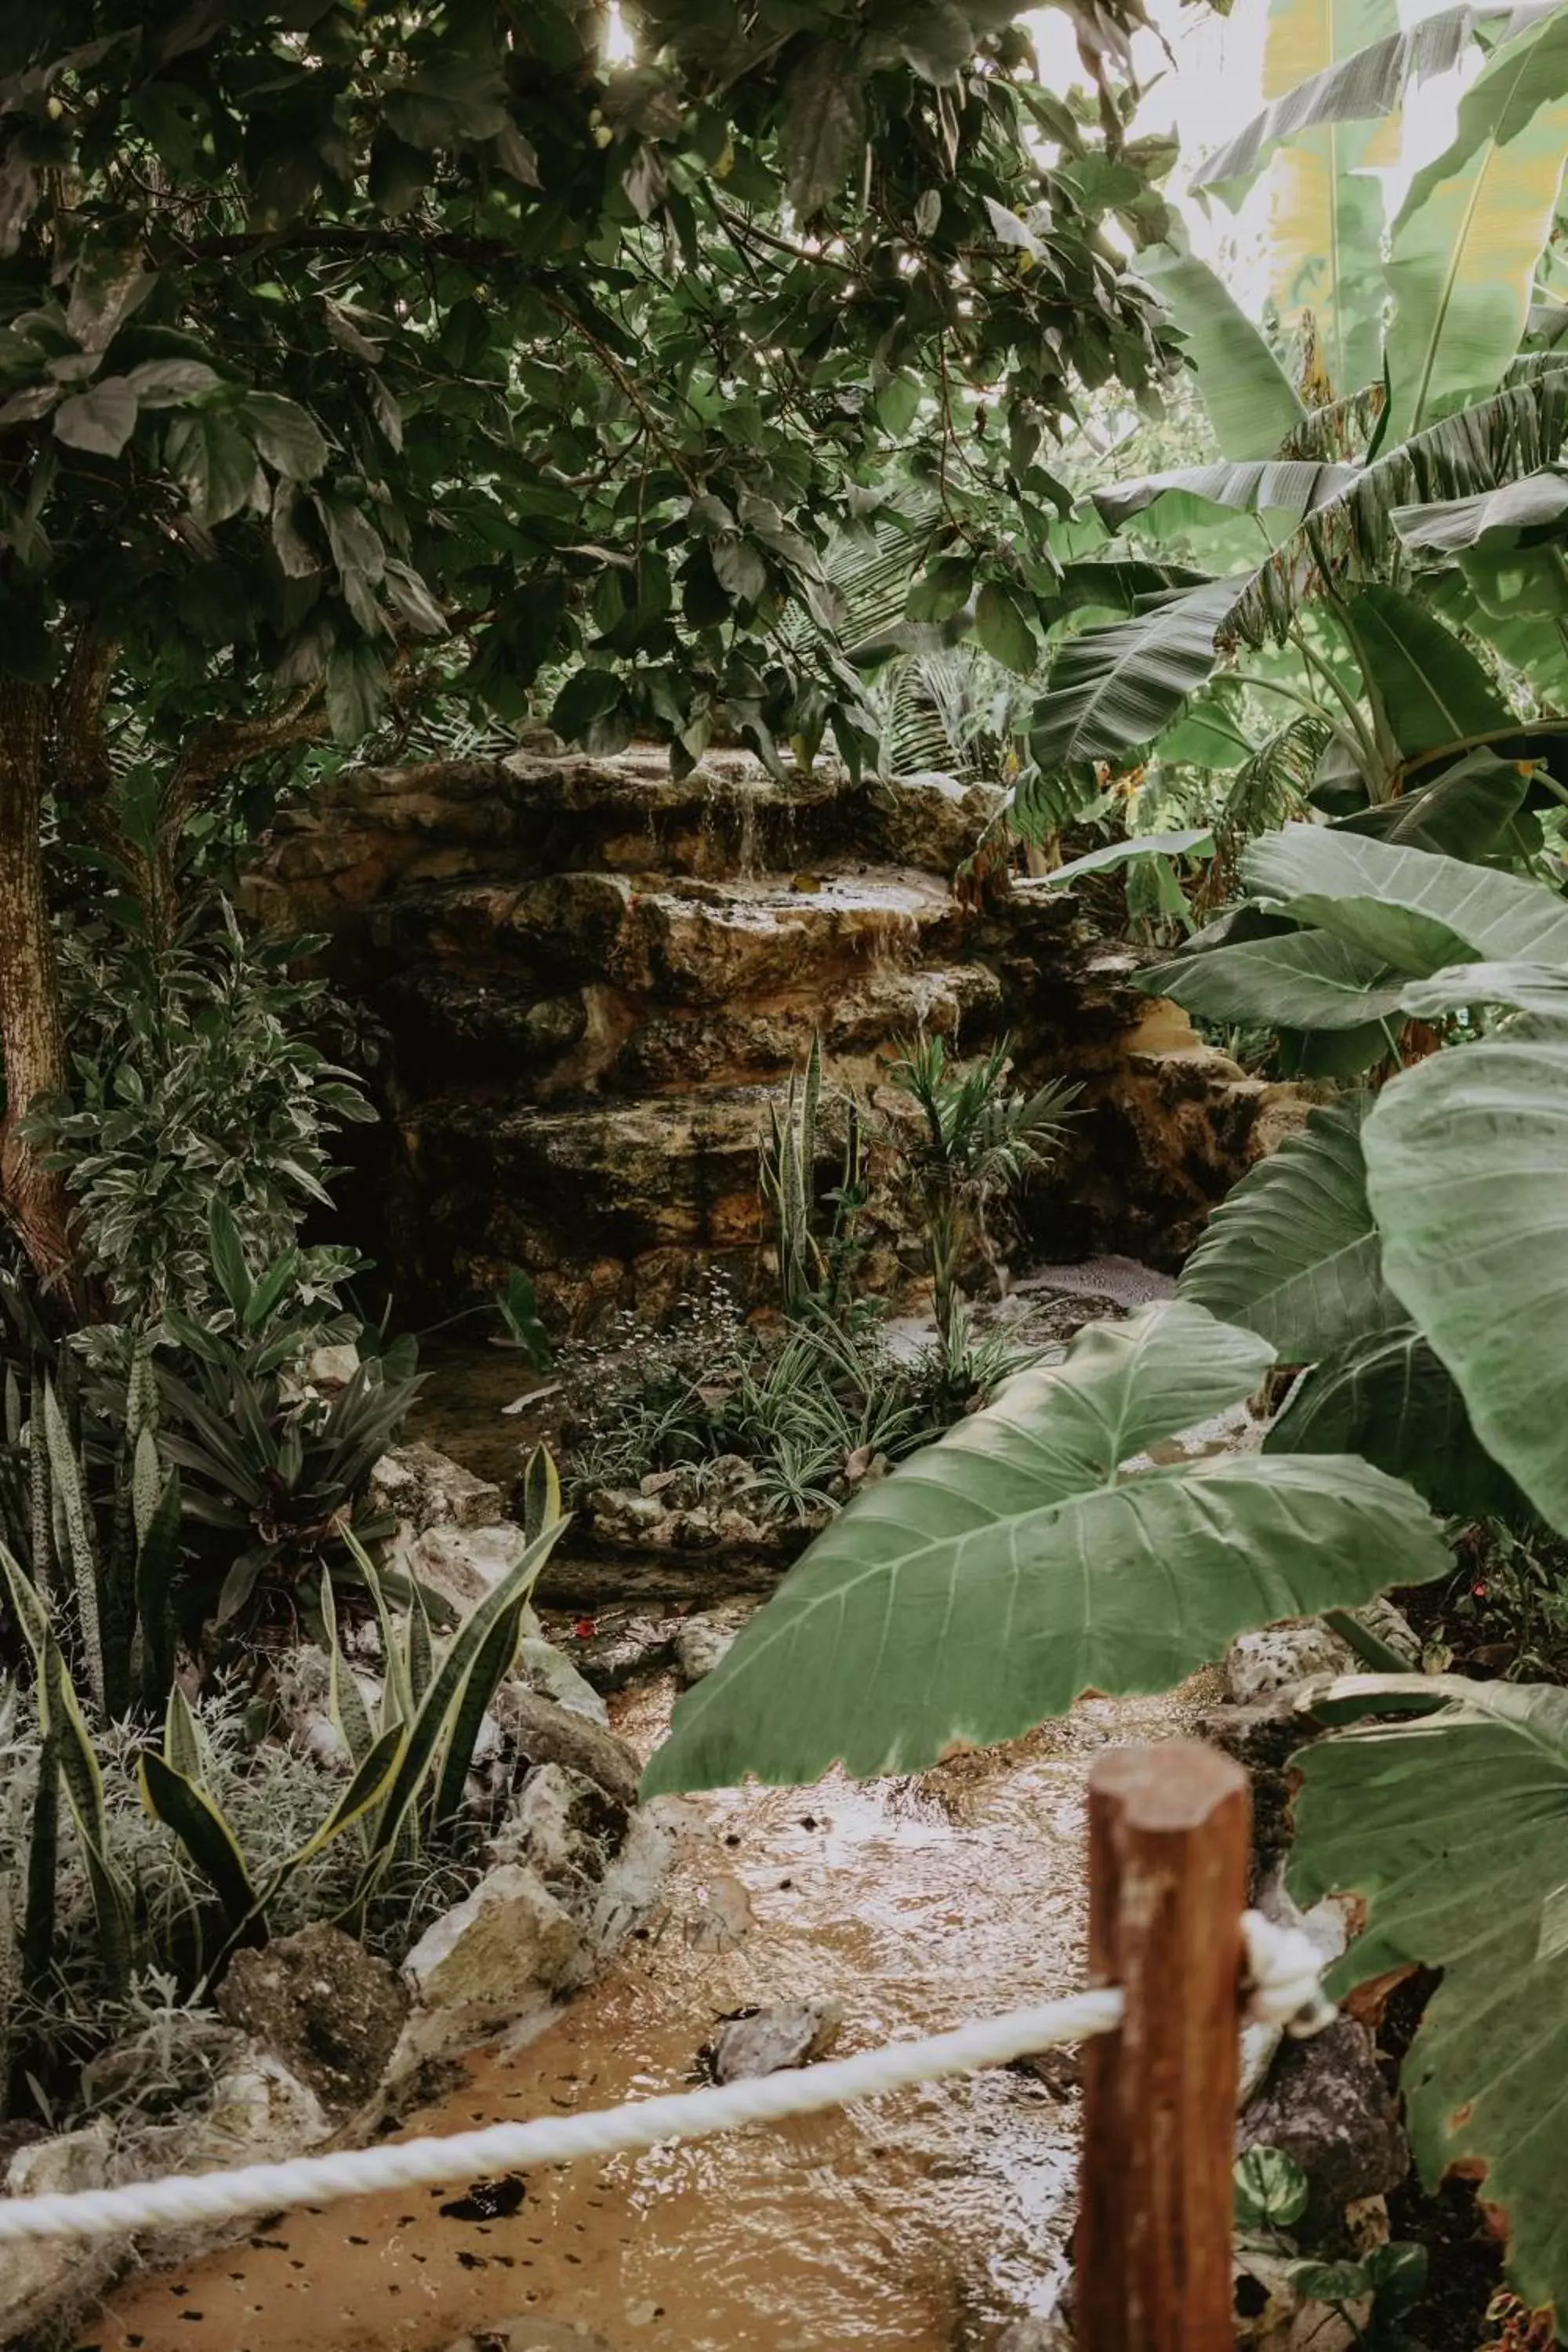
[923, 2221]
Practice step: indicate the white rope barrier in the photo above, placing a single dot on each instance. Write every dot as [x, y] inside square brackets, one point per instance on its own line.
[1281, 1989]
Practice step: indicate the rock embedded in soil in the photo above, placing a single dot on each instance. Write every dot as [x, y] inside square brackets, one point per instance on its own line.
[545, 1732]
[1326, 2104]
[498, 1957]
[328, 2009]
[1261, 1663]
[790, 2033]
[423, 1488]
[703, 1642]
[565, 1826]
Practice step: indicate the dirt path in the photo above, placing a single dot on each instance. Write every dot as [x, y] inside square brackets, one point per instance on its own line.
[923, 2222]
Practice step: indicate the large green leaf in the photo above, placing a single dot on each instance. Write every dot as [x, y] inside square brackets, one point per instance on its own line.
[1112, 689]
[1453, 1829]
[1287, 486]
[1008, 1568]
[1385, 1396]
[1536, 988]
[1364, 889]
[1466, 1159]
[1350, 537]
[1186, 844]
[1445, 525]
[1365, 85]
[1461, 813]
[1472, 229]
[1293, 1253]
[1433, 688]
[1300, 980]
[1326, 212]
[1251, 404]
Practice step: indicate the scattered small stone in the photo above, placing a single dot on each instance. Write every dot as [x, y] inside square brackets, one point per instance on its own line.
[790, 2033]
[722, 1917]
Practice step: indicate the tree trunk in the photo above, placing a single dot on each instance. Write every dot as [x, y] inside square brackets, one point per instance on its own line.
[32, 1032]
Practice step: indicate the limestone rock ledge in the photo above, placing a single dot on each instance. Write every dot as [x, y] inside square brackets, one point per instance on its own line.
[580, 982]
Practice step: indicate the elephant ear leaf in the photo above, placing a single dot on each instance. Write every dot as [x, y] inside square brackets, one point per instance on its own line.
[1454, 1830]
[1012, 1566]
[1293, 1253]
[1465, 1155]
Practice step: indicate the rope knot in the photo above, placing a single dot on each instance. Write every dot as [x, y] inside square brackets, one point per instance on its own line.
[1281, 1976]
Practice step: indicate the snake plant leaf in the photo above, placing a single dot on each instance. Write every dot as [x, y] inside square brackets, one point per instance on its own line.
[1194, 841]
[70, 1500]
[182, 1738]
[1385, 1396]
[1293, 1253]
[1287, 486]
[1453, 1830]
[63, 1728]
[1111, 691]
[1433, 688]
[1465, 1160]
[1007, 1568]
[435, 1719]
[1297, 980]
[1444, 526]
[199, 1824]
[1470, 232]
[1402, 903]
[159, 1552]
[1535, 988]
[1249, 399]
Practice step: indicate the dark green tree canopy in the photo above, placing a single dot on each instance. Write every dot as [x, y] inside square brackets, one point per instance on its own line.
[341, 340]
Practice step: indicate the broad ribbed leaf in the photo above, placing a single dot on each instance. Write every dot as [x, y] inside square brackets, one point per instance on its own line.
[1287, 486]
[1293, 1253]
[1248, 397]
[1386, 1397]
[1112, 689]
[1365, 85]
[1472, 229]
[1454, 1828]
[1300, 979]
[1326, 210]
[1466, 1159]
[1117, 852]
[1461, 814]
[1538, 988]
[1361, 885]
[1433, 688]
[1350, 537]
[1003, 1571]
[1491, 516]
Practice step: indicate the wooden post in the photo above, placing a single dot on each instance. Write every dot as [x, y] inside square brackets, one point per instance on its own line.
[1168, 1836]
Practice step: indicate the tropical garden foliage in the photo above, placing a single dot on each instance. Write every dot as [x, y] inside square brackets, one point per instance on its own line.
[366, 370]
[1385, 887]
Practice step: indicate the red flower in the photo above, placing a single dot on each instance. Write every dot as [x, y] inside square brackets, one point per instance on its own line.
[584, 1629]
